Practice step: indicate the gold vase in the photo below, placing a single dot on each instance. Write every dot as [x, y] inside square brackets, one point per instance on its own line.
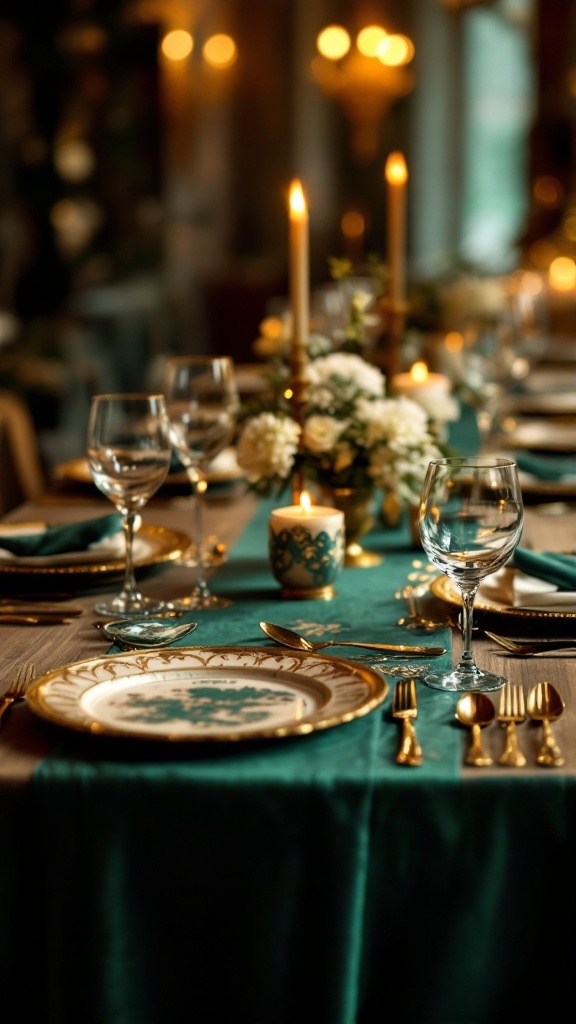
[391, 512]
[357, 504]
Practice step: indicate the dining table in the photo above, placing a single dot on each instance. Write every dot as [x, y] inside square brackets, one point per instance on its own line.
[283, 878]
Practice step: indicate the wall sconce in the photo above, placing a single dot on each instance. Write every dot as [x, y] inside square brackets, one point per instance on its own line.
[365, 79]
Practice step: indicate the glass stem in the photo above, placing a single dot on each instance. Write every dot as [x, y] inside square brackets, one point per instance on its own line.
[129, 591]
[201, 587]
[467, 658]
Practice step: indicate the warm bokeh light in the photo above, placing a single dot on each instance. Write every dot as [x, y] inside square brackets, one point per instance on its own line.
[395, 51]
[548, 191]
[419, 372]
[333, 42]
[271, 327]
[396, 171]
[562, 274]
[526, 282]
[370, 39]
[220, 51]
[353, 224]
[297, 201]
[454, 341]
[177, 45]
[74, 160]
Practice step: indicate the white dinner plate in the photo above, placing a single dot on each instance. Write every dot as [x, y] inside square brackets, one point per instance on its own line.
[444, 588]
[152, 546]
[207, 693]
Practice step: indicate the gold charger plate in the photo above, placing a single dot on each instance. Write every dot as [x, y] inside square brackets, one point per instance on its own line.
[443, 588]
[196, 694]
[152, 546]
[223, 470]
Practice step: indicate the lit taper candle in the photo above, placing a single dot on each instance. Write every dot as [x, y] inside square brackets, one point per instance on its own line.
[396, 176]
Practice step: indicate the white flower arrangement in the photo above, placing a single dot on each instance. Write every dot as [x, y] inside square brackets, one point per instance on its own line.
[351, 435]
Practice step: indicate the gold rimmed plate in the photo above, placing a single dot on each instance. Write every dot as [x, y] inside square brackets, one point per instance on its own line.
[223, 470]
[443, 588]
[199, 694]
[152, 546]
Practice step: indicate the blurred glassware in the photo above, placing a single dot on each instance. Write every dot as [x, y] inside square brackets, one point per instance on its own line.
[202, 402]
[529, 321]
[488, 357]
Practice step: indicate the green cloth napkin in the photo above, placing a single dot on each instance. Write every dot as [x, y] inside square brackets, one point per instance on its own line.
[55, 540]
[547, 565]
[546, 467]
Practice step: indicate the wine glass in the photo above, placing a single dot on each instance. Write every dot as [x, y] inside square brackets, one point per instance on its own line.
[202, 402]
[129, 450]
[471, 517]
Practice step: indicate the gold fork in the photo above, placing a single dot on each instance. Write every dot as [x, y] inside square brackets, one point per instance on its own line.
[17, 689]
[512, 709]
[404, 706]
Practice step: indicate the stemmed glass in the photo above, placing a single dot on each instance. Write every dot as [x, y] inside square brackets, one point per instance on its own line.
[202, 402]
[471, 517]
[129, 450]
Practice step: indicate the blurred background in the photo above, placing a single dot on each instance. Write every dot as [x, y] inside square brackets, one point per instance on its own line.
[147, 147]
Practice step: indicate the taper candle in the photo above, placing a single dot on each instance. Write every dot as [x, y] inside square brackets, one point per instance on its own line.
[299, 267]
[396, 176]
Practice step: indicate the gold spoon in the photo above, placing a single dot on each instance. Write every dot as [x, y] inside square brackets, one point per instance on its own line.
[545, 705]
[289, 638]
[475, 710]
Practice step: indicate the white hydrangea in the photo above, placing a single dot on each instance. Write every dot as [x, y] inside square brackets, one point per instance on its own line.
[321, 433]
[343, 374]
[267, 446]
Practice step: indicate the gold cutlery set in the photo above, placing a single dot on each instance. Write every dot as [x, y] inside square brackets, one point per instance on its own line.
[544, 705]
[476, 711]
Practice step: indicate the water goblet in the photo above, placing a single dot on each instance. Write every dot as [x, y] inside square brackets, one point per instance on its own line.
[129, 450]
[202, 402]
[471, 517]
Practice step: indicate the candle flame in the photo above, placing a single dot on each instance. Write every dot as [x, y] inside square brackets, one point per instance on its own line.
[297, 201]
[305, 502]
[396, 171]
[419, 372]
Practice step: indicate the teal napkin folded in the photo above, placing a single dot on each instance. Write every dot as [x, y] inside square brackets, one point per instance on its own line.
[547, 565]
[546, 467]
[55, 540]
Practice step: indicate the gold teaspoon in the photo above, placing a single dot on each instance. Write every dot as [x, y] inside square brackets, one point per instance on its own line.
[475, 710]
[545, 705]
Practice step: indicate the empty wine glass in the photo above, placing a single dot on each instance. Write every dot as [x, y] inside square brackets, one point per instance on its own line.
[202, 402]
[129, 450]
[471, 518]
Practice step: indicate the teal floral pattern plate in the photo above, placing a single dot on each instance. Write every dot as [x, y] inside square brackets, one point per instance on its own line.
[207, 693]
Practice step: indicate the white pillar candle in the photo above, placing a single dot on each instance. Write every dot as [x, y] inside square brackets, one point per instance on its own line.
[432, 391]
[307, 548]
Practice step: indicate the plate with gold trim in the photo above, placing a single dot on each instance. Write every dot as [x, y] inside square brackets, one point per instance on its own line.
[223, 469]
[446, 590]
[152, 546]
[198, 694]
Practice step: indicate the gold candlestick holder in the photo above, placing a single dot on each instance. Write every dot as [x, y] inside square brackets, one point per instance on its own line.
[298, 385]
[394, 313]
